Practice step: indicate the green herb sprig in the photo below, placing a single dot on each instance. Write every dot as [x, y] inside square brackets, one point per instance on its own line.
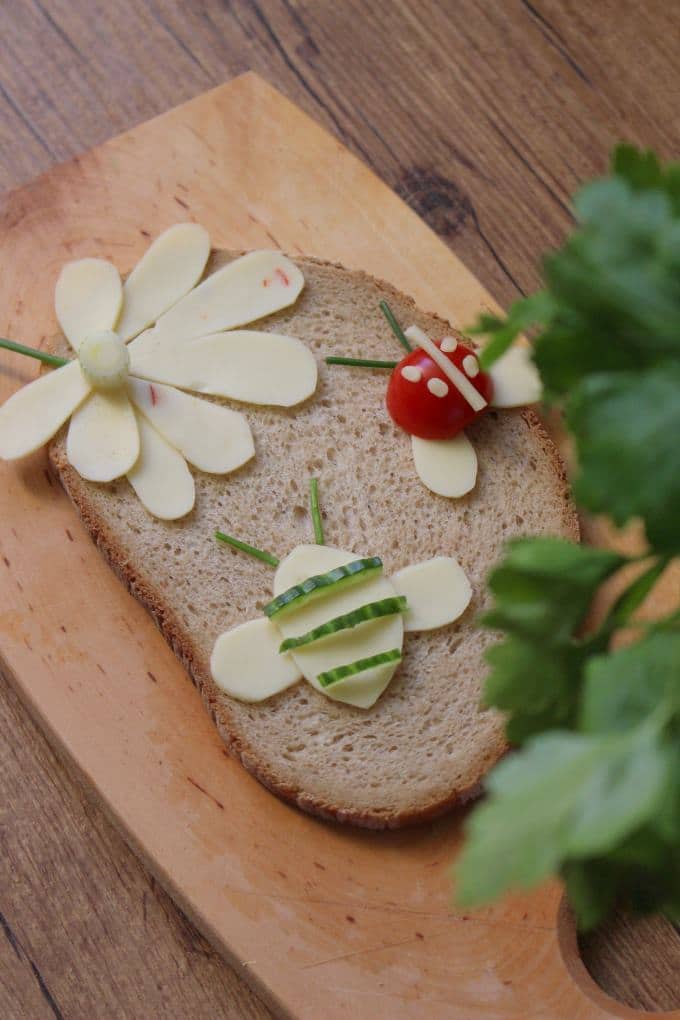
[395, 327]
[593, 794]
[360, 362]
[316, 511]
[33, 352]
[258, 554]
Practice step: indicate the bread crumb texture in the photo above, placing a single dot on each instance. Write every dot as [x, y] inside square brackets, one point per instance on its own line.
[427, 742]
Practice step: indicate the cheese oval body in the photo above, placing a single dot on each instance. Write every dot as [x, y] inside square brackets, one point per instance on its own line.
[380, 635]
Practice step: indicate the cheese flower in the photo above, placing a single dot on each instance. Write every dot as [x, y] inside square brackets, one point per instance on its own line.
[140, 344]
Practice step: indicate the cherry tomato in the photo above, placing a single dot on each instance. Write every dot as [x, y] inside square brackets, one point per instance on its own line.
[423, 401]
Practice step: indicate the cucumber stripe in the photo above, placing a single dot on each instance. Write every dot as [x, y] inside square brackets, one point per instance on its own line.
[299, 594]
[360, 666]
[362, 614]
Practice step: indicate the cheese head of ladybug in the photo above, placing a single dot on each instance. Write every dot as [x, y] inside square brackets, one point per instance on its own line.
[425, 396]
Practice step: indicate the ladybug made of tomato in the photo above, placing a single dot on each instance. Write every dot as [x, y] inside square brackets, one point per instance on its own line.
[438, 389]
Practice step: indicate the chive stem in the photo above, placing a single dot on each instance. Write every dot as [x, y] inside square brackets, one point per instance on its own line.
[259, 554]
[33, 352]
[361, 362]
[316, 512]
[395, 327]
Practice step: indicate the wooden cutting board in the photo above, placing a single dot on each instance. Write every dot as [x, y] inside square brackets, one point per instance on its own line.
[324, 922]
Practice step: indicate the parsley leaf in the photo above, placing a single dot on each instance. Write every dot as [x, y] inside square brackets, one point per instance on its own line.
[643, 171]
[543, 590]
[522, 315]
[537, 686]
[615, 287]
[544, 587]
[594, 792]
[627, 430]
[624, 688]
[564, 795]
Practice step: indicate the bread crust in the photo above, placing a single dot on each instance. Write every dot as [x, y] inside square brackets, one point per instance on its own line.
[176, 633]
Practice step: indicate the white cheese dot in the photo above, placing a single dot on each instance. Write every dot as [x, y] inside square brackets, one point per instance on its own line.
[437, 387]
[470, 366]
[412, 373]
[448, 344]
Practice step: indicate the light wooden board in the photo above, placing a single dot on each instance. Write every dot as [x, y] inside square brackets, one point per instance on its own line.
[324, 922]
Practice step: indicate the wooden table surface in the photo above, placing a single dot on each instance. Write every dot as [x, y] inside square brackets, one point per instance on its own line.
[484, 116]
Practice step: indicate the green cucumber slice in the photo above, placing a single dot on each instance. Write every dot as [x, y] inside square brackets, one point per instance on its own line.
[370, 611]
[323, 584]
[360, 666]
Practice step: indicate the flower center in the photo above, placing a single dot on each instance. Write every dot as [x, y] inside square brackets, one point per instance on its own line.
[104, 359]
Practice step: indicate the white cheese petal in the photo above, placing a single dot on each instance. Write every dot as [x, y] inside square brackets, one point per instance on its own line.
[87, 298]
[515, 378]
[437, 591]
[247, 289]
[380, 635]
[103, 438]
[211, 437]
[160, 476]
[259, 368]
[34, 413]
[447, 467]
[246, 663]
[166, 272]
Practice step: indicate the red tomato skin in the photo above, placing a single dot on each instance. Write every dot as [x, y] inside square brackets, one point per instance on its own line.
[418, 411]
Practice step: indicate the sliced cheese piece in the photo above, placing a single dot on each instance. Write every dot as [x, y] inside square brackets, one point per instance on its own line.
[437, 592]
[379, 635]
[160, 476]
[360, 690]
[166, 272]
[103, 438]
[515, 378]
[259, 368]
[246, 664]
[247, 289]
[87, 298]
[447, 467]
[34, 413]
[457, 378]
[211, 437]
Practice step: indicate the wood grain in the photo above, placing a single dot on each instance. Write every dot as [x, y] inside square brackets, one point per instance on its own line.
[483, 115]
[88, 933]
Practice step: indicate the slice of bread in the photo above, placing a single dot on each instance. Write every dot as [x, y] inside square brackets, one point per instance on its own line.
[426, 743]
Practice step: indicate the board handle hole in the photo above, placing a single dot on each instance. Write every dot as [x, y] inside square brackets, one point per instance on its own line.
[630, 965]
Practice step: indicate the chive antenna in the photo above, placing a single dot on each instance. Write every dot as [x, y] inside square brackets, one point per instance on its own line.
[259, 554]
[316, 512]
[394, 326]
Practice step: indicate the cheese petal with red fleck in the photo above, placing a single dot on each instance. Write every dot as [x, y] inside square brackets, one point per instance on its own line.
[259, 368]
[516, 381]
[164, 275]
[103, 438]
[160, 476]
[243, 291]
[87, 298]
[211, 437]
[448, 467]
[34, 413]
